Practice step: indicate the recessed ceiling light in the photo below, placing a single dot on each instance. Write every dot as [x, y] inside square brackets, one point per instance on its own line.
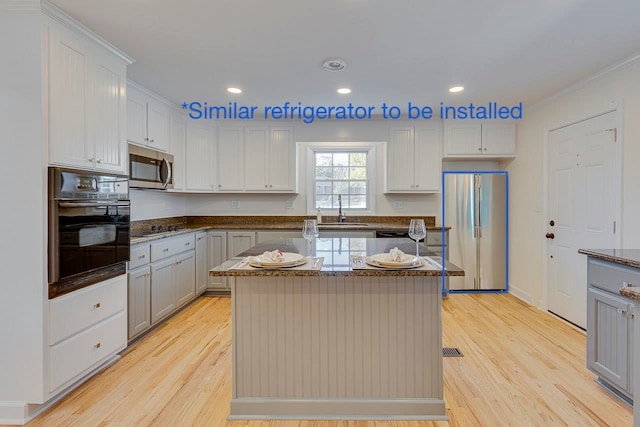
[334, 64]
[344, 90]
[456, 89]
[234, 90]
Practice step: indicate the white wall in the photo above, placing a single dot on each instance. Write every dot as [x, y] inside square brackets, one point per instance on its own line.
[526, 203]
[22, 227]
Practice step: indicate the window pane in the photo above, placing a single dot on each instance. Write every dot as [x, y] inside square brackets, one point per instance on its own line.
[323, 159]
[358, 159]
[323, 187]
[323, 201]
[340, 159]
[340, 188]
[358, 173]
[323, 172]
[358, 187]
[358, 202]
[340, 173]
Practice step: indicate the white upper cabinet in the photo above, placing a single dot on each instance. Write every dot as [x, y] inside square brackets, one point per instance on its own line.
[148, 119]
[269, 159]
[479, 139]
[87, 106]
[414, 160]
[178, 149]
[230, 155]
[199, 157]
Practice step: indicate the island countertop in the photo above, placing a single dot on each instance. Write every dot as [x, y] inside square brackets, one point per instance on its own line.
[337, 253]
[628, 257]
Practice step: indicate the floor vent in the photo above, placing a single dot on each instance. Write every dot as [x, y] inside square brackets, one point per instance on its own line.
[451, 352]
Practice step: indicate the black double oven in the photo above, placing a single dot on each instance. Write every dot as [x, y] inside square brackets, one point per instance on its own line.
[89, 228]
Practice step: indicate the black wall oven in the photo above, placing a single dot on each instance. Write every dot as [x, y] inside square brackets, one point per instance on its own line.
[89, 228]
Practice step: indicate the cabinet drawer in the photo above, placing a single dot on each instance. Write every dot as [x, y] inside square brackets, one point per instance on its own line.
[140, 255]
[610, 276]
[169, 247]
[86, 350]
[83, 308]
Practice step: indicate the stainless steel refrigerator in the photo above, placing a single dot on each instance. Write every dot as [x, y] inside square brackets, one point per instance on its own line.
[475, 207]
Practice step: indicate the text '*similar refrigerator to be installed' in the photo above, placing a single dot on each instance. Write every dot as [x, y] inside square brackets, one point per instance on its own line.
[475, 207]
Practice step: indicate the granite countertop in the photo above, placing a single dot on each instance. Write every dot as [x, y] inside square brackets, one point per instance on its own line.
[628, 257]
[337, 252]
[141, 229]
[632, 292]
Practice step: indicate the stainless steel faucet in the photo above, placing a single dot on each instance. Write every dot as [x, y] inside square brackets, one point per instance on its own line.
[341, 216]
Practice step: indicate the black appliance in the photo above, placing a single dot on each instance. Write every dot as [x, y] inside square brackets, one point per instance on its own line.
[89, 228]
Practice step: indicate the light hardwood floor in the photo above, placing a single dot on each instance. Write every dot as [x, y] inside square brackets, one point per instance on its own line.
[521, 367]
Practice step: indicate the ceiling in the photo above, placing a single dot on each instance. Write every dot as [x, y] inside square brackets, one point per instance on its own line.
[396, 51]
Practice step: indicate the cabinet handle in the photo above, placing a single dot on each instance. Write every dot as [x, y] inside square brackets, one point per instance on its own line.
[142, 256]
[146, 139]
[96, 305]
[99, 161]
[187, 244]
[626, 284]
[97, 345]
[165, 250]
[91, 159]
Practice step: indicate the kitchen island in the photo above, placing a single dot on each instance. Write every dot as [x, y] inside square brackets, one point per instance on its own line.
[336, 340]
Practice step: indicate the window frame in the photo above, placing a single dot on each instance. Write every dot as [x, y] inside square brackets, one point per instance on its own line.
[339, 147]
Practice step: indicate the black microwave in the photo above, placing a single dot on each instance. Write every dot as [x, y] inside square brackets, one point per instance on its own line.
[150, 168]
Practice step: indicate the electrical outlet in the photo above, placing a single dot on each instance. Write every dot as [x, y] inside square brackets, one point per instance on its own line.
[289, 204]
[235, 204]
[398, 204]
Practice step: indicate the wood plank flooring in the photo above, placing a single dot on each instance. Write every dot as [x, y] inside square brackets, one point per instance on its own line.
[521, 367]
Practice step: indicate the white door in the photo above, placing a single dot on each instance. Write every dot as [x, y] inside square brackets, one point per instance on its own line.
[583, 207]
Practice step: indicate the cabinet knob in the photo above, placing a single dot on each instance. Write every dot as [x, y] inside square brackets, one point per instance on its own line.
[219, 185]
[479, 148]
[97, 345]
[146, 139]
[550, 236]
[265, 186]
[165, 250]
[96, 305]
[485, 148]
[417, 185]
[270, 185]
[142, 256]
[187, 244]
[152, 140]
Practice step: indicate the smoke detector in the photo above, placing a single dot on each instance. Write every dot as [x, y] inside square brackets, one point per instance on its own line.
[334, 64]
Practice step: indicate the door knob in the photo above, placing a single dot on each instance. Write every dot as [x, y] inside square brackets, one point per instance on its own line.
[550, 235]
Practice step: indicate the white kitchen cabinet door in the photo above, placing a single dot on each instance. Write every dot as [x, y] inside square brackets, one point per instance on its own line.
[400, 161]
[158, 125]
[256, 154]
[428, 159]
[499, 139]
[139, 301]
[202, 264]
[178, 150]
[217, 254]
[199, 158]
[281, 164]
[109, 114]
[185, 277]
[136, 116]
[69, 98]
[163, 291]
[462, 138]
[230, 155]
[239, 241]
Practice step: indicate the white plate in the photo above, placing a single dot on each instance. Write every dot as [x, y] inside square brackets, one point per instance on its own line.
[290, 260]
[418, 262]
[405, 261]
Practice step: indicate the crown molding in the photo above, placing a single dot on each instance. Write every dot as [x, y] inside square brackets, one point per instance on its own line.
[584, 82]
[17, 5]
[63, 18]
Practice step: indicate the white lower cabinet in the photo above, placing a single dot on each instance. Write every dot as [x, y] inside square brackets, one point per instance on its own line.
[185, 279]
[139, 300]
[239, 241]
[202, 263]
[88, 327]
[159, 288]
[217, 254]
[163, 293]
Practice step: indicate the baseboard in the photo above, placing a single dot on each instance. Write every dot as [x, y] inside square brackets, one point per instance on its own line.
[521, 294]
[20, 413]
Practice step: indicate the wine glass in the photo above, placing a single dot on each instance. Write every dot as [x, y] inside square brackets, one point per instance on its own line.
[310, 230]
[417, 231]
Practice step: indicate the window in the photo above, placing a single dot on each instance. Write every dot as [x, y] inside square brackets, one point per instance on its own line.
[341, 173]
